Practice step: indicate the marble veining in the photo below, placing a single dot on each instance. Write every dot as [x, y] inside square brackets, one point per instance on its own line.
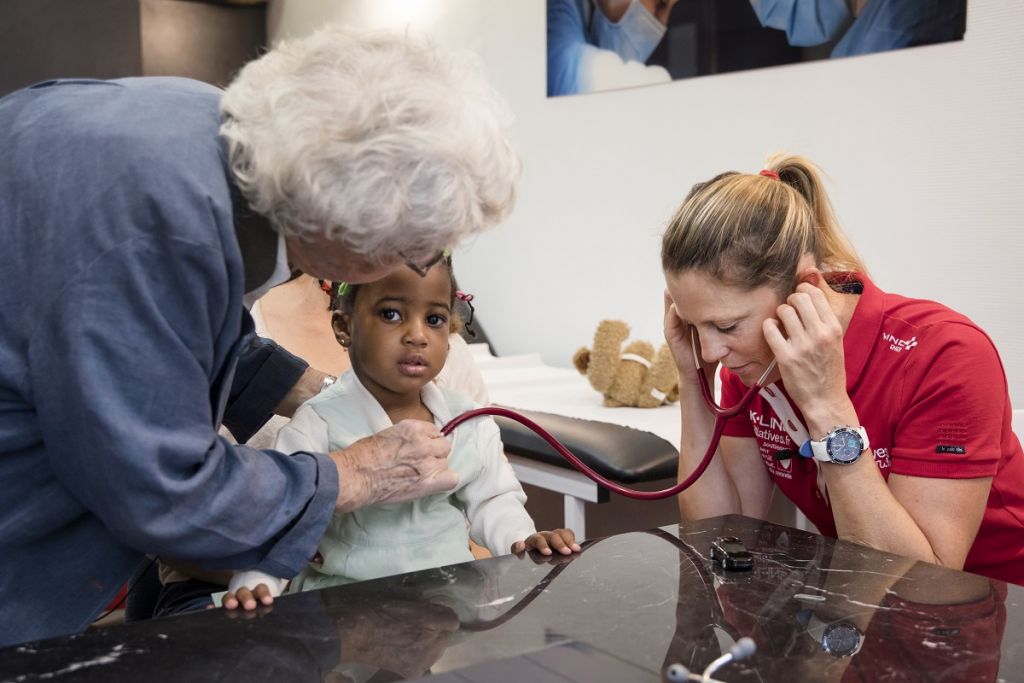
[818, 610]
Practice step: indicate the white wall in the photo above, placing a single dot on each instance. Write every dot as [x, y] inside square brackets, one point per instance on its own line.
[924, 148]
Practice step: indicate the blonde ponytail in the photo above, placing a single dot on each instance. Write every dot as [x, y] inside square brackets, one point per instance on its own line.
[751, 230]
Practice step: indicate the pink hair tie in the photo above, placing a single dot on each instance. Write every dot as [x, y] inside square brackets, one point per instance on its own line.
[769, 174]
[463, 296]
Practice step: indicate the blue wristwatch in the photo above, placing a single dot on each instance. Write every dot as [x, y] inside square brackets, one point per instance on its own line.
[842, 446]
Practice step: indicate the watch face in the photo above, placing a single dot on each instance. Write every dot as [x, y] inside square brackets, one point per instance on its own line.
[840, 639]
[845, 445]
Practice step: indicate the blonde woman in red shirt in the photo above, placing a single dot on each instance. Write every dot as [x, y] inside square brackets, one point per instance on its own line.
[887, 420]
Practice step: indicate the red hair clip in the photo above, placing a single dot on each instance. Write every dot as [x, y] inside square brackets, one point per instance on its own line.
[767, 173]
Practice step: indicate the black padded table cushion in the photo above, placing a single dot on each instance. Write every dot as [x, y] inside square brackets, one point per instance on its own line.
[622, 454]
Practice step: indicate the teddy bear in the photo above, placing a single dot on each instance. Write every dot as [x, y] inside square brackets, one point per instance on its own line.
[634, 376]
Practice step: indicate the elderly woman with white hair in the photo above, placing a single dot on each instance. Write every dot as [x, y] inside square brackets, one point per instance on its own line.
[139, 215]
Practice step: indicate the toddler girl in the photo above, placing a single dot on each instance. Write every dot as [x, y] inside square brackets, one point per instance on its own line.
[396, 332]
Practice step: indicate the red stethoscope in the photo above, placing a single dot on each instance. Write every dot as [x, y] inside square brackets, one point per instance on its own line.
[721, 415]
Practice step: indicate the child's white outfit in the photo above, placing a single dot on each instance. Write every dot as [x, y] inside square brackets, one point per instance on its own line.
[382, 540]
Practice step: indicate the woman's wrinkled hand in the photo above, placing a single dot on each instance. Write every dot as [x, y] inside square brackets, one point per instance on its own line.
[401, 463]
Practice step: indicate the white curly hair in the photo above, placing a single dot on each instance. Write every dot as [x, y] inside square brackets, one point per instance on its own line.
[384, 141]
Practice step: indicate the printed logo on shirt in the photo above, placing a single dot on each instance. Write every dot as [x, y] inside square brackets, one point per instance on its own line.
[882, 458]
[772, 437]
[899, 345]
[953, 450]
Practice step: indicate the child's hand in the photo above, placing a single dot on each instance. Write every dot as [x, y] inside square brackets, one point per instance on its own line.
[251, 589]
[562, 540]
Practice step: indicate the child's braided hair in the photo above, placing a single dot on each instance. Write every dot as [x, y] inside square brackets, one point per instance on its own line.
[343, 297]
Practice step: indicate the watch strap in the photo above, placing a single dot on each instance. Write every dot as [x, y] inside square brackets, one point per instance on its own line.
[818, 448]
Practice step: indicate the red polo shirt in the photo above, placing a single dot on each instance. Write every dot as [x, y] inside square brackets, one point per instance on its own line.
[930, 390]
[933, 642]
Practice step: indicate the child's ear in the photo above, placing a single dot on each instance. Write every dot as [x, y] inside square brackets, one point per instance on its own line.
[341, 322]
[455, 323]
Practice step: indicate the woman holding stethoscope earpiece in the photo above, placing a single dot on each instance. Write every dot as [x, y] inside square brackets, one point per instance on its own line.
[887, 419]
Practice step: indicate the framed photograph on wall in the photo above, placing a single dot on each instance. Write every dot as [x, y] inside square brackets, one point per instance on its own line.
[596, 45]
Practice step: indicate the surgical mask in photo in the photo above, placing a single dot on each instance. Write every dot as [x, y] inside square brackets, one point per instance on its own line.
[805, 23]
[633, 37]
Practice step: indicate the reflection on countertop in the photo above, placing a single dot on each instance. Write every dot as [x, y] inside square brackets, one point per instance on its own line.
[818, 610]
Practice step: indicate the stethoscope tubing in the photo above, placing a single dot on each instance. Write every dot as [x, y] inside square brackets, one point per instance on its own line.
[580, 465]
[705, 388]
[721, 415]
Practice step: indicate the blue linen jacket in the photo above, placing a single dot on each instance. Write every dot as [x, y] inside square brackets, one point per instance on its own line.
[121, 323]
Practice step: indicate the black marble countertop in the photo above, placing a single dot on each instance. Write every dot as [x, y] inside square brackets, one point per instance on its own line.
[634, 603]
